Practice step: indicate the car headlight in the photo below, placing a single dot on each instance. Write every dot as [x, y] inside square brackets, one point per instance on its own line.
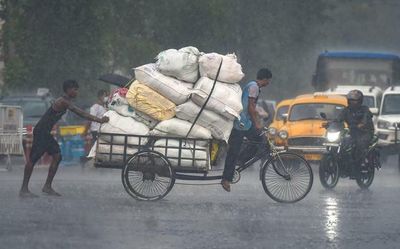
[383, 124]
[272, 131]
[283, 134]
[333, 136]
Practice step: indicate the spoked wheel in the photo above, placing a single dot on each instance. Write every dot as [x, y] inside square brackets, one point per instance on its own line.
[286, 177]
[328, 172]
[148, 176]
[366, 175]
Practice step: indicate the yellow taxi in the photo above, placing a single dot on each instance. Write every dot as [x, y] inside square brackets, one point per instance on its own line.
[302, 130]
[282, 109]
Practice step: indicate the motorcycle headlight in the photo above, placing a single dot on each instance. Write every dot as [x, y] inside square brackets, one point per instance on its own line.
[383, 124]
[333, 136]
[272, 131]
[283, 134]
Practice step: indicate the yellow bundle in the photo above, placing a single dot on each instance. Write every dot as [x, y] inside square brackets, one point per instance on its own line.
[150, 102]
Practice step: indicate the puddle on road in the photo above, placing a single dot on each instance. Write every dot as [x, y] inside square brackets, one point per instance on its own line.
[332, 219]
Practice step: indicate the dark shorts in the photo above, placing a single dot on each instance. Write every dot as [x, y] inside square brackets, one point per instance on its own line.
[41, 144]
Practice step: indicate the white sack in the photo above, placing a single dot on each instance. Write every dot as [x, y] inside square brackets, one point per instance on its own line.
[92, 152]
[117, 152]
[231, 70]
[219, 126]
[123, 125]
[169, 87]
[119, 104]
[181, 64]
[179, 128]
[226, 99]
[186, 152]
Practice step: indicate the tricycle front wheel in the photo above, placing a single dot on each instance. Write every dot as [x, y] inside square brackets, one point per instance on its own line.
[148, 176]
[286, 177]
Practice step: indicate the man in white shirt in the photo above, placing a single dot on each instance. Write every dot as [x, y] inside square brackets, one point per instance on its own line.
[98, 110]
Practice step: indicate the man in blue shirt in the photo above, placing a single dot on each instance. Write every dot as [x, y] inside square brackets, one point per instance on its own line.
[248, 126]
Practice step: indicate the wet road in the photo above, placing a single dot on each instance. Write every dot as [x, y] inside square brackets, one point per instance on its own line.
[95, 212]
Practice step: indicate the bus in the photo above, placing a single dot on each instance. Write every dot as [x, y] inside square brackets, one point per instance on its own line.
[356, 68]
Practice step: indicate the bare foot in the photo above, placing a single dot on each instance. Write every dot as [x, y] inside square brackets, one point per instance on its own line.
[27, 194]
[226, 185]
[50, 191]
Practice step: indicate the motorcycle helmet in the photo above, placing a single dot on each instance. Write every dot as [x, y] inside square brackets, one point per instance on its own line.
[355, 99]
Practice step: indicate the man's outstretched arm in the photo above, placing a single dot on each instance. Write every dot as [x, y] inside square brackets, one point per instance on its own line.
[86, 115]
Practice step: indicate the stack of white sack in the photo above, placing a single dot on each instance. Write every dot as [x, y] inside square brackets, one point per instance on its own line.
[123, 125]
[187, 152]
[179, 128]
[224, 104]
[193, 153]
[171, 88]
[118, 102]
[103, 151]
[169, 82]
[231, 70]
[225, 99]
[182, 64]
[219, 126]
[118, 145]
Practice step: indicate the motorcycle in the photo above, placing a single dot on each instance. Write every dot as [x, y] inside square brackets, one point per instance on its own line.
[338, 160]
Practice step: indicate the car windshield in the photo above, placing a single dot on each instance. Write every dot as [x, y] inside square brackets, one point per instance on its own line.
[391, 104]
[313, 110]
[358, 71]
[369, 101]
[31, 109]
[281, 110]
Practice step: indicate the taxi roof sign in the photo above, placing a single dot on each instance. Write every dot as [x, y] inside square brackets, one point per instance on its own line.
[320, 95]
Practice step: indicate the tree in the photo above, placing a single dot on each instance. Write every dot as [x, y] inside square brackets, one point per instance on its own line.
[49, 41]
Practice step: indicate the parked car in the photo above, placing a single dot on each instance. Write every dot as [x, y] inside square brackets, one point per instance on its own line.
[372, 96]
[388, 126]
[302, 130]
[33, 107]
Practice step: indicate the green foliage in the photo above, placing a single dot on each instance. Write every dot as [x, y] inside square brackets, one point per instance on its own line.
[48, 41]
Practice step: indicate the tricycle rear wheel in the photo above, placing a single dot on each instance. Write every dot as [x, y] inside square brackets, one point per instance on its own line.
[148, 176]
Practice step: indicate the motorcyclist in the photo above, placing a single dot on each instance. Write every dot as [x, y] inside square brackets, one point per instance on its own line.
[359, 120]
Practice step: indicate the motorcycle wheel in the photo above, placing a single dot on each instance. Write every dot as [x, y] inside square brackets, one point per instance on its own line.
[328, 172]
[366, 176]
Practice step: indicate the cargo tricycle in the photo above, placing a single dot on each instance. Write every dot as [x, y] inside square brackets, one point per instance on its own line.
[151, 165]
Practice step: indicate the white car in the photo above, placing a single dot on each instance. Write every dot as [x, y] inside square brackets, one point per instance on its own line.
[372, 95]
[388, 126]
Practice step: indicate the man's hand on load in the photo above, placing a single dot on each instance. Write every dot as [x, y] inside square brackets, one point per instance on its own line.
[104, 120]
